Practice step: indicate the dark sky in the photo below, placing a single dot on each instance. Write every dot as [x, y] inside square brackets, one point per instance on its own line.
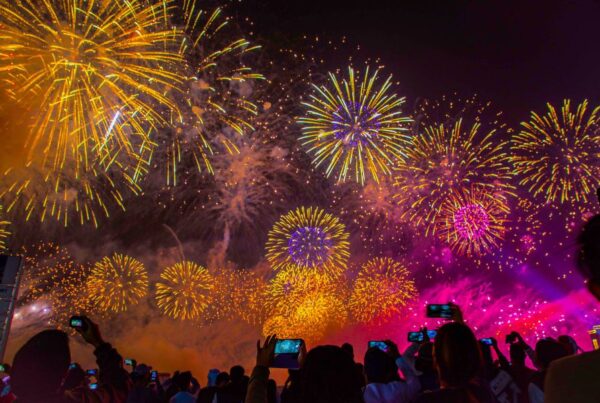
[518, 53]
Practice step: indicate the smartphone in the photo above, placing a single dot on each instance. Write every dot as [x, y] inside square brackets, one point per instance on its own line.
[153, 376]
[77, 322]
[93, 386]
[444, 311]
[382, 345]
[73, 365]
[91, 372]
[129, 361]
[287, 352]
[2, 368]
[487, 341]
[417, 337]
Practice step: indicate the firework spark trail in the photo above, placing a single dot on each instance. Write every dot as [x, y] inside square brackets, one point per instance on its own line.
[354, 126]
[117, 282]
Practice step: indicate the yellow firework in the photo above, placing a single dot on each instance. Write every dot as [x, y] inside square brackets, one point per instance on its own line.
[218, 85]
[82, 68]
[355, 126]
[117, 282]
[4, 232]
[51, 279]
[445, 158]
[381, 290]
[184, 291]
[289, 287]
[316, 314]
[473, 221]
[308, 238]
[556, 154]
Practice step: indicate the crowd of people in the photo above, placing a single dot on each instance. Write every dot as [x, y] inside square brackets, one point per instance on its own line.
[455, 366]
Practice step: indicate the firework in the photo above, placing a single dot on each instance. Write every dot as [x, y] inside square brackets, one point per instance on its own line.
[51, 276]
[4, 232]
[474, 221]
[117, 282]
[556, 154]
[381, 290]
[308, 238]
[355, 126]
[82, 68]
[448, 157]
[218, 85]
[184, 291]
[316, 314]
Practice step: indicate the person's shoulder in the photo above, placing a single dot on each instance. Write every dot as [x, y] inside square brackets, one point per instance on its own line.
[579, 362]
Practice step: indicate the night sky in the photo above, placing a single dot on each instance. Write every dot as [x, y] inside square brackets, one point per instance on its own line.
[519, 54]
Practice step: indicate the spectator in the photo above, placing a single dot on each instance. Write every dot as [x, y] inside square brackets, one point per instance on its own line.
[574, 379]
[212, 394]
[41, 364]
[183, 383]
[327, 375]
[519, 371]
[143, 390]
[458, 361]
[546, 351]
[360, 370]
[497, 374]
[424, 365]
[291, 387]
[235, 391]
[383, 384]
[569, 344]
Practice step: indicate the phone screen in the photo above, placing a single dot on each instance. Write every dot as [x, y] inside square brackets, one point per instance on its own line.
[76, 322]
[154, 376]
[379, 344]
[487, 341]
[93, 386]
[288, 346]
[287, 352]
[439, 311]
[91, 372]
[128, 361]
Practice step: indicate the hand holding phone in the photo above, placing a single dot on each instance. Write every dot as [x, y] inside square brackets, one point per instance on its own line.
[78, 323]
[419, 337]
[488, 341]
[153, 376]
[380, 344]
[444, 311]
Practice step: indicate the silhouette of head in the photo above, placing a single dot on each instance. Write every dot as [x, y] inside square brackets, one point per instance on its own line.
[379, 366]
[329, 376]
[183, 380]
[568, 343]
[348, 348]
[457, 355]
[517, 354]
[237, 373]
[548, 350]
[222, 379]
[40, 365]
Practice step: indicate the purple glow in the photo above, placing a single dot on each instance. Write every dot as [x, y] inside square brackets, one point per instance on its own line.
[471, 221]
[309, 246]
[356, 123]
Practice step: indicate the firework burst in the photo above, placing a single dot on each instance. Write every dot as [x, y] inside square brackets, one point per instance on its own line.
[448, 157]
[84, 67]
[382, 288]
[556, 154]
[473, 222]
[218, 85]
[117, 282]
[184, 291]
[308, 238]
[355, 126]
[51, 276]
